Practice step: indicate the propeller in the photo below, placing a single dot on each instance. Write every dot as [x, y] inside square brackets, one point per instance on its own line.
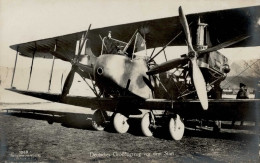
[185, 26]
[76, 66]
[198, 79]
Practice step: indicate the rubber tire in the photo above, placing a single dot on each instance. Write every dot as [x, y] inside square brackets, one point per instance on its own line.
[176, 128]
[120, 123]
[98, 121]
[145, 123]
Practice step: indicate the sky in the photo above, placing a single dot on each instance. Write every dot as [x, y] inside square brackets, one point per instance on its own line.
[27, 20]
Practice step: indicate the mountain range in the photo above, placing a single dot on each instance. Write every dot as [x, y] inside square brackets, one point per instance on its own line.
[243, 71]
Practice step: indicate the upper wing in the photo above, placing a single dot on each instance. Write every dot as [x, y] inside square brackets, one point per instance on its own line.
[65, 45]
[223, 25]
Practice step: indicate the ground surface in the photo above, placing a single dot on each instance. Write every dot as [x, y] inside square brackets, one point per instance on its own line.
[29, 137]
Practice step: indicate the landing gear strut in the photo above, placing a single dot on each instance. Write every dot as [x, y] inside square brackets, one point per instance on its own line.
[174, 124]
[147, 121]
[99, 120]
[217, 126]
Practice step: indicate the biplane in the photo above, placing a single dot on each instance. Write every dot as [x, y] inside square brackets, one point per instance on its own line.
[114, 63]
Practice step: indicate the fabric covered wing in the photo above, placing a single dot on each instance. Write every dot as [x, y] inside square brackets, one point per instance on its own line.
[223, 109]
[65, 44]
[89, 102]
[223, 25]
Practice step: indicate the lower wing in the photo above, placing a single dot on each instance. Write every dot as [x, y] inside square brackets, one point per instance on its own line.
[219, 109]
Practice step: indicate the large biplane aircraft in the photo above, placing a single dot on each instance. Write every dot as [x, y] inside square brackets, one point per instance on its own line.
[125, 78]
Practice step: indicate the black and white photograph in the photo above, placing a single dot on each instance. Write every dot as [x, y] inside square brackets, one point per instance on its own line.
[129, 81]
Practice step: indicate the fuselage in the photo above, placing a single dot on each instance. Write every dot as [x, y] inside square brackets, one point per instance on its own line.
[121, 74]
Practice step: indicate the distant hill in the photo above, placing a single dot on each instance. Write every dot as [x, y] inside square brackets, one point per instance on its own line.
[247, 72]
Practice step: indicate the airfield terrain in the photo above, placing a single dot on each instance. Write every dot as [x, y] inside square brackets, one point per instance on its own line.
[29, 137]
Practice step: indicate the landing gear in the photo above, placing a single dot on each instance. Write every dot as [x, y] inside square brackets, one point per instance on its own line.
[176, 128]
[146, 122]
[99, 120]
[217, 126]
[120, 123]
[175, 125]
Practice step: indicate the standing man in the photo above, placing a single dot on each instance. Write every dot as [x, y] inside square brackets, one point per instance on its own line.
[241, 94]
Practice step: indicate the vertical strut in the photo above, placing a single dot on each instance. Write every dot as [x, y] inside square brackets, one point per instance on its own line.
[165, 55]
[53, 59]
[14, 67]
[152, 52]
[31, 67]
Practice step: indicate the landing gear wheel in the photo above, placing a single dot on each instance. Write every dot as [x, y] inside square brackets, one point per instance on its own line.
[120, 123]
[50, 121]
[99, 120]
[176, 128]
[145, 124]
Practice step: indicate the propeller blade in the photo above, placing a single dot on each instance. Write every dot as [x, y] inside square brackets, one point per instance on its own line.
[68, 82]
[185, 25]
[199, 83]
[84, 68]
[76, 66]
[63, 57]
[167, 66]
[224, 44]
[82, 42]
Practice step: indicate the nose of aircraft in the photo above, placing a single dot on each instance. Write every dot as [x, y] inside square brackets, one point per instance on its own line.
[120, 69]
[111, 67]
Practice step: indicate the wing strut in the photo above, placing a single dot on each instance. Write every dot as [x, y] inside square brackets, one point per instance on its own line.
[129, 42]
[34, 51]
[164, 47]
[75, 66]
[14, 66]
[53, 59]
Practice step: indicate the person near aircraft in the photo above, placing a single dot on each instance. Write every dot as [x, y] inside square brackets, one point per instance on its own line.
[257, 90]
[241, 94]
[215, 93]
[111, 46]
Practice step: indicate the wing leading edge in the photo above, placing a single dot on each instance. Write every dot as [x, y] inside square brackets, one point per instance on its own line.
[223, 25]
